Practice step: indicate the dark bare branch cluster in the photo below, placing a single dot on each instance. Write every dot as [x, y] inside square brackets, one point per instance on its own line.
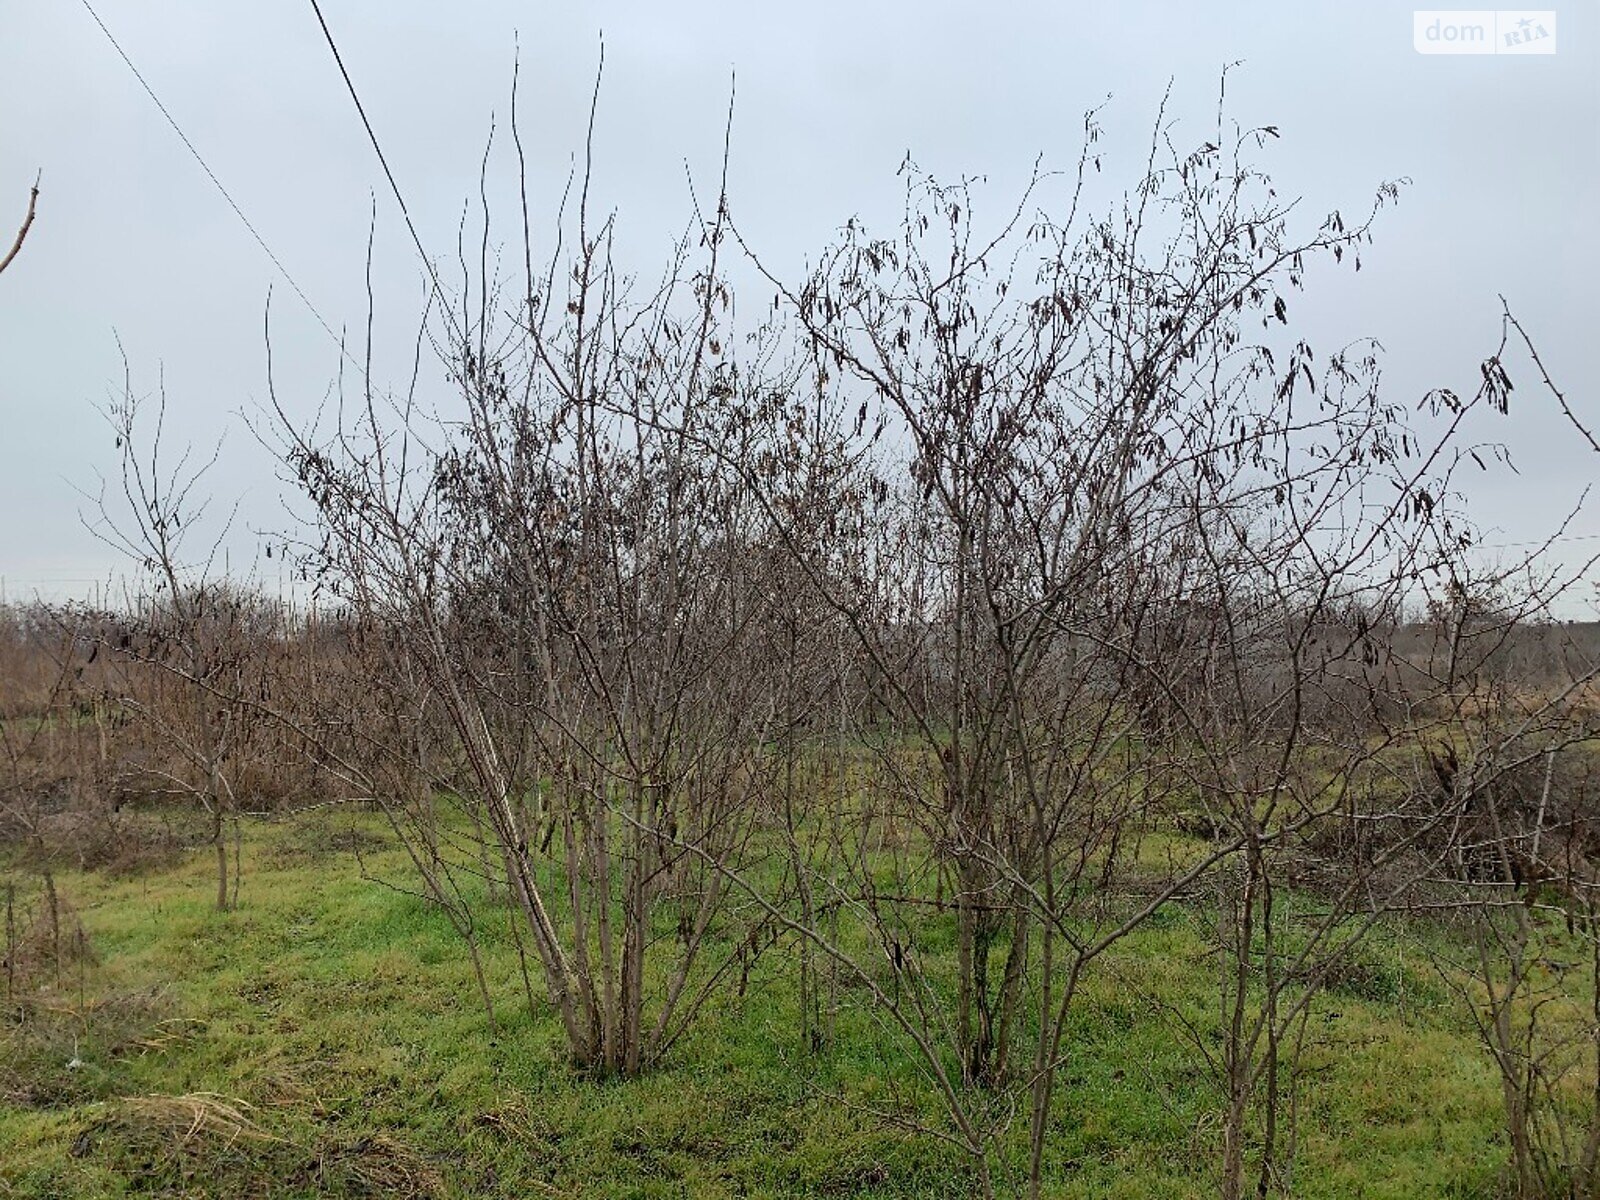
[1003, 590]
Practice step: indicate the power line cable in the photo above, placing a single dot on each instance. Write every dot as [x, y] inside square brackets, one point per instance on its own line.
[1564, 537]
[372, 137]
[210, 174]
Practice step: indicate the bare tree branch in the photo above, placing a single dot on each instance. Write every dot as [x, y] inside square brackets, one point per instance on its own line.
[27, 223]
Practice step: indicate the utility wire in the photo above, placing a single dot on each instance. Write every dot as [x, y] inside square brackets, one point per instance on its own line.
[372, 136]
[233, 204]
[1564, 537]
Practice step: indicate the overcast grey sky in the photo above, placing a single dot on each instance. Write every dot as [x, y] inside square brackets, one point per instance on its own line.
[133, 241]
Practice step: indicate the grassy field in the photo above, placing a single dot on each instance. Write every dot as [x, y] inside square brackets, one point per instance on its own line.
[327, 1039]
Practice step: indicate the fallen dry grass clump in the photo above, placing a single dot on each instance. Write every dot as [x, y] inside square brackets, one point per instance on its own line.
[197, 1116]
[219, 1142]
[196, 1143]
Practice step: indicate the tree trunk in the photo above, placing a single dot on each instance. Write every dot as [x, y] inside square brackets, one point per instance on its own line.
[219, 842]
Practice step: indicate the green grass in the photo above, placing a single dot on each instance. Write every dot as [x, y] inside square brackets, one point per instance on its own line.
[341, 1020]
